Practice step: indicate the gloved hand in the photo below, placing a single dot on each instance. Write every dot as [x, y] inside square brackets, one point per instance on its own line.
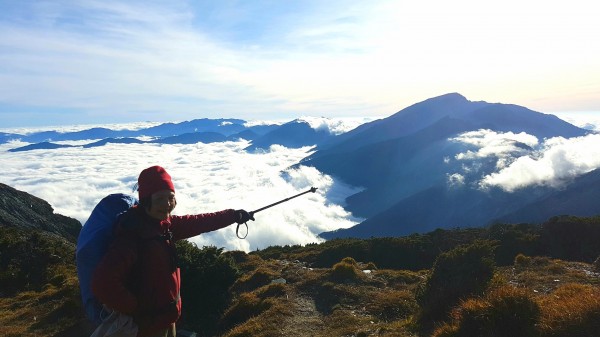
[243, 216]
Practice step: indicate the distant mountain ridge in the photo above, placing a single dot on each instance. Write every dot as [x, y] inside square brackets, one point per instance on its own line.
[294, 134]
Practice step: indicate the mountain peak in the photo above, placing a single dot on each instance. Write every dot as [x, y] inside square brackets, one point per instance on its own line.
[452, 95]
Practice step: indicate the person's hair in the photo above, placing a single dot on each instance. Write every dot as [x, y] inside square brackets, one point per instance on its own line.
[146, 202]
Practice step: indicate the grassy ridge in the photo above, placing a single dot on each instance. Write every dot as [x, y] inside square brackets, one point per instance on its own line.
[504, 280]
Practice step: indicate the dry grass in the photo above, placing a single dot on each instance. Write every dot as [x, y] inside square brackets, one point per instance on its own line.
[255, 279]
[392, 305]
[41, 313]
[543, 275]
[345, 301]
[571, 310]
[400, 279]
[265, 324]
[345, 270]
[538, 296]
[337, 301]
[505, 311]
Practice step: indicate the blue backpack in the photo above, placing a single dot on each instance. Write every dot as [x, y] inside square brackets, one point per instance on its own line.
[92, 244]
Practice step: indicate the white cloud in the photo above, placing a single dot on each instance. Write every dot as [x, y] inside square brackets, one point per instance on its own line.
[503, 147]
[557, 160]
[551, 162]
[455, 179]
[207, 178]
[335, 126]
[490, 143]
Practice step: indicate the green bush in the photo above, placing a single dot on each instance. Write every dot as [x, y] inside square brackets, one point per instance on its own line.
[207, 275]
[457, 274]
[28, 258]
[572, 238]
[522, 260]
[513, 240]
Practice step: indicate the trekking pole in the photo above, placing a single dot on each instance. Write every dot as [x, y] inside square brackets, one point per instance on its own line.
[311, 190]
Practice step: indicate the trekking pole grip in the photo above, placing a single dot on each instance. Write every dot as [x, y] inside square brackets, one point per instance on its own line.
[237, 230]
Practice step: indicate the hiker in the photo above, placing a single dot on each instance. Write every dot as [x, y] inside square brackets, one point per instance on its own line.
[138, 276]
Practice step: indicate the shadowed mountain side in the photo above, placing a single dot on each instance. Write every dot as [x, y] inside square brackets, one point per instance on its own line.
[39, 146]
[440, 207]
[396, 168]
[192, 138]
[513, 118]
[113, 141]
[7, 137]
[294, 134]
[581, 197]
[246, 134]
[22, 210]
[93, 133]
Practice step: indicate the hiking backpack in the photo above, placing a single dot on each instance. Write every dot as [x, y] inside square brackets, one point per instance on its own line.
[92, 244]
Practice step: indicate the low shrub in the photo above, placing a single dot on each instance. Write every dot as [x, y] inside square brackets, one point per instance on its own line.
[345, 270]
[216, 272]
[28, 257]
[503, 312]
[522, 260]
[460, 273]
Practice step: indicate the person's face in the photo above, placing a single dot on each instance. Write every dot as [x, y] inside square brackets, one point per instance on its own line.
[163, 203]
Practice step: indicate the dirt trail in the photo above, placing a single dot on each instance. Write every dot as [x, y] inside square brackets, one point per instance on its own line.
[305, 319]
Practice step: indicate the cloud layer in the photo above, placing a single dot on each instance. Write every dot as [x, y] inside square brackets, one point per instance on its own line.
[522, 160]
[207, 178]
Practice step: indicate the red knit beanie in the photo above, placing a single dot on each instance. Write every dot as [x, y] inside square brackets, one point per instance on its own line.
[152, 180]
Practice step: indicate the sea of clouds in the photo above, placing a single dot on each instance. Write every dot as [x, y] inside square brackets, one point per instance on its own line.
[207, 178]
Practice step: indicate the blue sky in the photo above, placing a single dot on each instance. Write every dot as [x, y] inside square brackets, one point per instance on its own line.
[104, 61]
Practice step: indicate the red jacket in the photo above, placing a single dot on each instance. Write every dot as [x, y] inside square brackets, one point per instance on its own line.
[138, 276]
